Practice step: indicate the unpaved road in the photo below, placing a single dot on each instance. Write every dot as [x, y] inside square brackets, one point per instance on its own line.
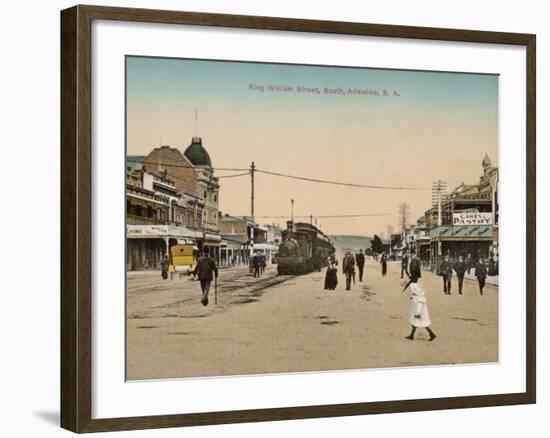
[289, 324]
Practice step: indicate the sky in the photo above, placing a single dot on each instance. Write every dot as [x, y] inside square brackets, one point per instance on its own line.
[429, 126]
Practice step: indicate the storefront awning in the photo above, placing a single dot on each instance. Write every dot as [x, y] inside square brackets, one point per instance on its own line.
[160, 232]
[463, 232]
[265, 246]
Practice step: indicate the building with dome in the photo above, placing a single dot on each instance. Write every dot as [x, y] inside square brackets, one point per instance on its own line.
[207, 185]
[172, 198]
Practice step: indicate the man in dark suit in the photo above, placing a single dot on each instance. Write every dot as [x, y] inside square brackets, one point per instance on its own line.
[415, 267]
[481, 274]
[460, 268]
[205, 270]
[446, 269]
[360, 260]
[348, 268]
[263, 263]
[164, 266]
[404, 264]
[256, 265]
[469, 262]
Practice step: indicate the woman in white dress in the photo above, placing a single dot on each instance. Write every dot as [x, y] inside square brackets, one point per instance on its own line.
[419, 315]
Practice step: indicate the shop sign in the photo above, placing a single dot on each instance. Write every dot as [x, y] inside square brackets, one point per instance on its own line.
[472, 218]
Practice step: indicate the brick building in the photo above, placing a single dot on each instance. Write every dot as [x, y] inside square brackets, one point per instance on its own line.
[469, 219]
[172, 198]
[176, 166]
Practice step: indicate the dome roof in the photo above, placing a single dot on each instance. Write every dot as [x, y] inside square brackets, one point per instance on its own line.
[197, 154]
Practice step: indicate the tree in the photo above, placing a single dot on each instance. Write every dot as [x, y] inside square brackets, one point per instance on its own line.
[377, 245]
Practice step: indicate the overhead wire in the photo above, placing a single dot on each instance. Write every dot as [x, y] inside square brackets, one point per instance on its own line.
[234, 175]
[190, 166]
[284, 175]
[339, 183]
[326, 217]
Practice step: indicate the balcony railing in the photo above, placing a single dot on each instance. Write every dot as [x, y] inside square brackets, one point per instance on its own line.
[132, 219]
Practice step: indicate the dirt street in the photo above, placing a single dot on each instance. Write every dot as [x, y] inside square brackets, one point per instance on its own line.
[288, 324]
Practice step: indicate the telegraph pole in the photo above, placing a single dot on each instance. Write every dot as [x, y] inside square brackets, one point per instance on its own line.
[252, 170]
[403, 218]
[292, 212]
[403, 215]
[439, 189]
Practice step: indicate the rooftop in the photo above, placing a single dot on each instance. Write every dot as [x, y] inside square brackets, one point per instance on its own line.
[197, 154]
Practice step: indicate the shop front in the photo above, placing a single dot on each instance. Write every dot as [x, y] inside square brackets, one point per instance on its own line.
[473, 240]
[147, 244]
[213, 242]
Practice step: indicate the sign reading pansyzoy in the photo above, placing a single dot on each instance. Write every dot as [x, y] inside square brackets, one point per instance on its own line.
[472, 218]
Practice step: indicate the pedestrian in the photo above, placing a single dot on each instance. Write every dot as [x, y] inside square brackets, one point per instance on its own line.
[446, 271]
[331, 277]
[164, 267]
[419, 316]
[460, 269]
[493, 265]
[481, 274]
[256, 265]
[360, 260]
[404, 264]
[469, 262]
[348, 267]
[171, 270]
[384, 263]
[415, 267]
[205, 270]
[263, 263]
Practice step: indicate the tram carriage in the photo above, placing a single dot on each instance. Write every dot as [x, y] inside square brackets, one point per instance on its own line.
[184, 258]
[304, 248]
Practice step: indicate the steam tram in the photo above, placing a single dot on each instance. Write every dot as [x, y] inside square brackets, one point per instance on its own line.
[304, 248]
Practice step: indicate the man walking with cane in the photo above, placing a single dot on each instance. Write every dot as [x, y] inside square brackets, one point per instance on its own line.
[205, 270]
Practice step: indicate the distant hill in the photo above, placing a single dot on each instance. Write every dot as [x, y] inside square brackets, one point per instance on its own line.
[353, 243]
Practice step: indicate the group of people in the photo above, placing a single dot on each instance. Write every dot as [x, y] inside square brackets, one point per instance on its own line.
[259, 264]
[349, 263]
[419, 314]
[461, 266]
[205, 271]
[166, 268]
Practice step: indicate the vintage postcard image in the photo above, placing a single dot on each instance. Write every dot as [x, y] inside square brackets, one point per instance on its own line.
[296, 218]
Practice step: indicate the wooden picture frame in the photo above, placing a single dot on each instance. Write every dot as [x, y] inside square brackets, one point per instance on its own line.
[76, 217]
